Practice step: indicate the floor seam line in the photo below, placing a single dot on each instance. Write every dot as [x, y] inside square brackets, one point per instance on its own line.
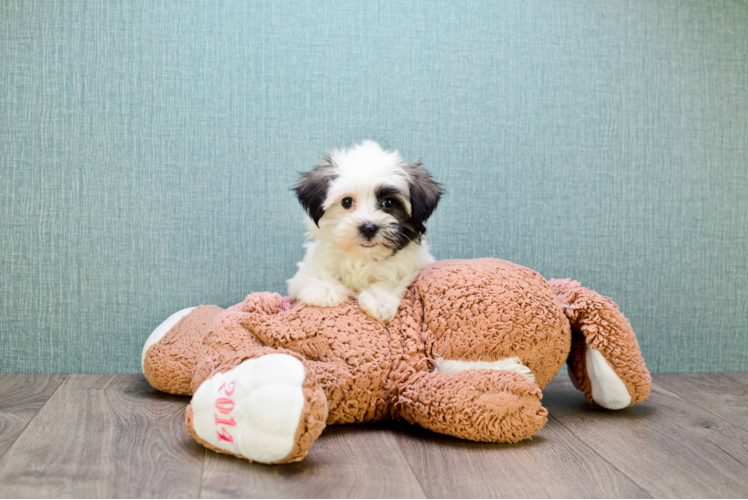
[729, 375]
[410, 467]
[645, 490]
[708, 410]
[64, 378]
[202, 474]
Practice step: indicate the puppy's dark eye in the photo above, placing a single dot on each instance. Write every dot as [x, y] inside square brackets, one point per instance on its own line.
[347, 202]
[388, 203]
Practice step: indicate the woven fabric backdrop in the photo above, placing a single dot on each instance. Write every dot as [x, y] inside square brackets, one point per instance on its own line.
[147, 150]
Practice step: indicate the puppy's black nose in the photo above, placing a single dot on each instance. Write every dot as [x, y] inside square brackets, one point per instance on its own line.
[368, 230]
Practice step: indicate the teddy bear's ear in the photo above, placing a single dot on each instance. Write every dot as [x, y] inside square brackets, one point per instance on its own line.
[313, 187]
[425, 193]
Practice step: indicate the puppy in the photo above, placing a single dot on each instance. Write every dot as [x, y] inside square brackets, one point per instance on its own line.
[367, 208]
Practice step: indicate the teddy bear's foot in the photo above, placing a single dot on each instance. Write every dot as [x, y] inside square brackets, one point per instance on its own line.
[265, 409]
[162, 330]
[605, 361]
[608, 390]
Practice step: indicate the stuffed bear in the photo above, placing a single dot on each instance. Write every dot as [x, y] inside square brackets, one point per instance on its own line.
[471, 347]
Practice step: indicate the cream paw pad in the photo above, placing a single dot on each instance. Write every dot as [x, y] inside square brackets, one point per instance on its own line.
[254, 409]
[608, 390]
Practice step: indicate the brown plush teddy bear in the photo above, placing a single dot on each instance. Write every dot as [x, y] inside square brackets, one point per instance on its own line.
[471, 347]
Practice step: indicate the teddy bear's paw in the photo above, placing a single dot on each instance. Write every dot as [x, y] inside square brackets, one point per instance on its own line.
[322, 293]
[608, 390]
[379, 305]
[253, 410]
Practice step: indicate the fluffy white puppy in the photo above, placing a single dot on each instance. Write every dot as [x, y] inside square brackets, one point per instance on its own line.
[367, 208]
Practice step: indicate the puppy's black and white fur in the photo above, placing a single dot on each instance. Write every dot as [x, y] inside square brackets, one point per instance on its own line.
[367, 208]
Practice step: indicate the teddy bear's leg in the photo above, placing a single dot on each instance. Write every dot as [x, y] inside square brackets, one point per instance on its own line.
[172, 348]
[262, 404]
[605, 361]
[352, 396]
[497, 406]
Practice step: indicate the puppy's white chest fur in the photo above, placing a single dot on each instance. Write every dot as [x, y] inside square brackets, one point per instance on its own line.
[358, 271]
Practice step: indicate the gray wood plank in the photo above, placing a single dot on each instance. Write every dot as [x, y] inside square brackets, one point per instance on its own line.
[553, 464]
[347, 461]
[741, 377]
[666, 444]
[21, 396]
[715, 392]
[104, 436]
[114, 436]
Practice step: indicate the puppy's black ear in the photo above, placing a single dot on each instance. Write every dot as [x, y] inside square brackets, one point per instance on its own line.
[425, 193]
[312, 188]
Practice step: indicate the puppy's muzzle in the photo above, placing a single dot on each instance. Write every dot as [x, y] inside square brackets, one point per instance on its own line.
[368, 230]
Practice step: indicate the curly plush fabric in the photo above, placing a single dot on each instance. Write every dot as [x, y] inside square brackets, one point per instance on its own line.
[597, 323]
[357, 369]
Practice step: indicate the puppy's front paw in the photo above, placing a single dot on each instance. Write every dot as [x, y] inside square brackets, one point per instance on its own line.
[324, 294]
[379, 304]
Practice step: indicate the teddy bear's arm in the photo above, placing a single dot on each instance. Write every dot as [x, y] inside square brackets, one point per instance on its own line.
[497, 406]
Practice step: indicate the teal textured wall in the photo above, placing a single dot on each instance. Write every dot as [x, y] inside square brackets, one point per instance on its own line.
[147, 148]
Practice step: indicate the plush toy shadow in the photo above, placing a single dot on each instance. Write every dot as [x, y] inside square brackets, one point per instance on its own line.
[471, 347]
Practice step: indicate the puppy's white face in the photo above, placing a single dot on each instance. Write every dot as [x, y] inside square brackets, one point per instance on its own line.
[368, 201]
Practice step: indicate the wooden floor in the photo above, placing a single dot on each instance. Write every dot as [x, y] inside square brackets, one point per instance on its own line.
[114, 436]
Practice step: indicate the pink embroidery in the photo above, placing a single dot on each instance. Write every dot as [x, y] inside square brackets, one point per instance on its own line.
[224, 421]
[224, 405]
[228, 390]
[225, 436]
